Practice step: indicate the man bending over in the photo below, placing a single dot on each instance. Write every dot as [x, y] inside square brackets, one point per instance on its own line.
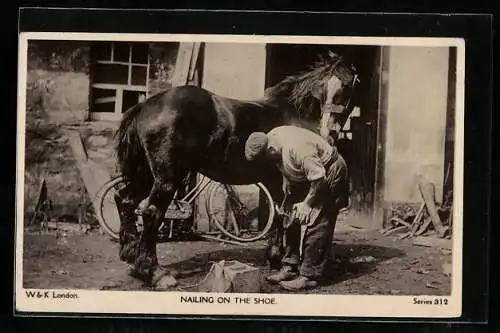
[315, 178]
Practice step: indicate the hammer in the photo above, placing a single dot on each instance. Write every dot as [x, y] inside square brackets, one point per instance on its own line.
[281, 211]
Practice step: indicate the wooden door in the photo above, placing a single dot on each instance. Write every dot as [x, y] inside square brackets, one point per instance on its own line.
[359, 137]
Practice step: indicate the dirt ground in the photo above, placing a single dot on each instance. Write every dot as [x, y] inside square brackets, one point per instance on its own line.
[366, 262]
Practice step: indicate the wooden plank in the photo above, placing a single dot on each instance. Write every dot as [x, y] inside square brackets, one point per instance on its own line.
[194, 62]
[401, 221]
[92, 174]
[119, 101]
[415, 225]
[104, 100]
[181, 72]
[427, 191]
[111, 86]
[394, 230]
[79, 151]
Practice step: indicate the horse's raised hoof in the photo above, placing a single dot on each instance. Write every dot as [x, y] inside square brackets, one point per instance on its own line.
[141, 207]
[162, 280]
[146, 209]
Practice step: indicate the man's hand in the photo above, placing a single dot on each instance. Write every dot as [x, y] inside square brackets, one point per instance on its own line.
[301, 212]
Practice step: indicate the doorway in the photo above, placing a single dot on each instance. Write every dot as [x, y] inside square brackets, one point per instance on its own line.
[358, 138]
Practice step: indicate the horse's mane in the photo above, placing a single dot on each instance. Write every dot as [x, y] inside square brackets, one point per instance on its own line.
[298, 88]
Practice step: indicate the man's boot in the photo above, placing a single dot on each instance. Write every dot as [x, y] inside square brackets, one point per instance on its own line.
[286, 273]
[298, 284]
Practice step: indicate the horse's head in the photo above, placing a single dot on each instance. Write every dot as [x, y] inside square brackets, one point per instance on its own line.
[330, 83]
[333, 89]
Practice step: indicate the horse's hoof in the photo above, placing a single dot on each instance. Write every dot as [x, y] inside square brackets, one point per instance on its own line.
[132, 271]
[165, 282]
[162, 280]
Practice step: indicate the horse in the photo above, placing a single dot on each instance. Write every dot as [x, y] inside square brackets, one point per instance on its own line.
[188, 129]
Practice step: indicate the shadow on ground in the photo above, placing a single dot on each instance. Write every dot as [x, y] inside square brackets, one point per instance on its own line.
[343, 267]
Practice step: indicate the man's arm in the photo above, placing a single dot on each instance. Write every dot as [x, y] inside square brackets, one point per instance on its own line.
[316, 188]
[316, 175]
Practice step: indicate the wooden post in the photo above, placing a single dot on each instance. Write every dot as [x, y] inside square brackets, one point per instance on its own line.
[378, 207]
[148, 68]
[129, 74]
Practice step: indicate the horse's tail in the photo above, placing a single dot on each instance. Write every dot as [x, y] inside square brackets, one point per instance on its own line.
[130, 153]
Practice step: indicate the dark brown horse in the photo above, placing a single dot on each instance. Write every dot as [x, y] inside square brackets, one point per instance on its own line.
[188, 129]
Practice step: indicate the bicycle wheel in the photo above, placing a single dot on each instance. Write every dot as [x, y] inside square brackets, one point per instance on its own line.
[107, 213]
[230, 206]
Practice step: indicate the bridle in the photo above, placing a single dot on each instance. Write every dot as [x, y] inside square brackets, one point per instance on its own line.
[329, 107]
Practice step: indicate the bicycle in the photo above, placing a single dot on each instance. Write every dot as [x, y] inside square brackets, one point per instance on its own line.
[181, 209]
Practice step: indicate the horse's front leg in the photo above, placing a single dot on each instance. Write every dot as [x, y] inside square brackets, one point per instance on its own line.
[275, 244]
[275, 241]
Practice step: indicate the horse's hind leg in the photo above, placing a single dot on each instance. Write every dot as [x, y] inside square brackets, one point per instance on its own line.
[126, 203]
[166, 182]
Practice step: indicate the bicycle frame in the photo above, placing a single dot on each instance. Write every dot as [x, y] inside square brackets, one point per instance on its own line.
[183, 206]
[188, 198]
[195, 191]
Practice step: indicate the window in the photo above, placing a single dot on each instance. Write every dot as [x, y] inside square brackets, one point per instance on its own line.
[111, 73]
[139, 75]
[101, 51]
[120, 75]
[140, 53]
[103, 100]
[121, 52]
